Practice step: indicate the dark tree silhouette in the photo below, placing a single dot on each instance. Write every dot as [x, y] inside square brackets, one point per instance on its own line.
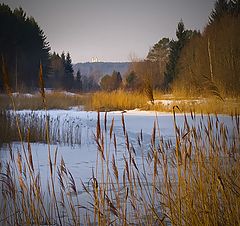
[78, 85]
[23, 46]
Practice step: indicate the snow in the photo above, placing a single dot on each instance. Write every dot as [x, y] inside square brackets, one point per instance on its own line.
[27, 95]
[170, 102]
[69, 93]
[80, 159]
[47, 91]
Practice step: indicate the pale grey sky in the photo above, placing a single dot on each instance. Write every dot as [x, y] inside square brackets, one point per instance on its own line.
[112, 30]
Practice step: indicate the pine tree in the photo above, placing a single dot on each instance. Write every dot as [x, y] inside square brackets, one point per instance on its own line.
[63, 58]
[221, 7]
[68, 65]
[56, 72]
[69, 79]
[175, 51]
[160, 51]
[79, 81]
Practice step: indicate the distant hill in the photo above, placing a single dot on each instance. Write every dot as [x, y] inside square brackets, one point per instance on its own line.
[98, 69]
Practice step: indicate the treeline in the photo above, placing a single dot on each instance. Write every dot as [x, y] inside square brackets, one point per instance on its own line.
[210, 62]
[195, 63]
[23, 47]
[61, 75]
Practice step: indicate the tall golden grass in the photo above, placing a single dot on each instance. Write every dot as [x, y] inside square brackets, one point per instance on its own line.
[123, 100]
[55, 100]
[117, 100]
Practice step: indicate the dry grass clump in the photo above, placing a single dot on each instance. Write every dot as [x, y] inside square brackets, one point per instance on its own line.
[117, 100]
[54, 100]
[199, 105]
[157, 101]
[32, 126]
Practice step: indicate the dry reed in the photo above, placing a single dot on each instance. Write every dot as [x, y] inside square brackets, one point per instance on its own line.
[190, 180]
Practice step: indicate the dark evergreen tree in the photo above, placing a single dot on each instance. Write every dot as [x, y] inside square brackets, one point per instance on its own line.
[221, 7]
[23, 46]
[69, 79]
[116, 80]
[159, 51]
[56, 74]
[234, 7]
[68, 65]
[79, 81]
[175, 50]
[63, 58]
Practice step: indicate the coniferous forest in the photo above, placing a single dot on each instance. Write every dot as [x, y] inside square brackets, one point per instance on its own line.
[23, 46]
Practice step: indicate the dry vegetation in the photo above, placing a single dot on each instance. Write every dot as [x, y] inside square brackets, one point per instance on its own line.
[117, 100]
[125, 100]
[122, 100]
[32, 127]
[54, 100]
[191, 180]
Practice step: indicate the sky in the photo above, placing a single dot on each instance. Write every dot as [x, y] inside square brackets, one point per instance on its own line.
[112, 30]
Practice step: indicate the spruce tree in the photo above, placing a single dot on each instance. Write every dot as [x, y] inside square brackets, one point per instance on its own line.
[175, 51]
[221, 8]
[79, 81]
[69, 79]
[68, 65]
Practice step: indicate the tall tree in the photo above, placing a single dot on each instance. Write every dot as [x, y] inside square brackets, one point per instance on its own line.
[68, 65]
[158, 57]
[56, 74]
[175, 50]
[68, 76]
[78, 81]
[160, 51]
[221, 8]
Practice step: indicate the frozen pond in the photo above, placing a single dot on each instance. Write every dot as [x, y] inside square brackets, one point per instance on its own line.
[81, 159]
